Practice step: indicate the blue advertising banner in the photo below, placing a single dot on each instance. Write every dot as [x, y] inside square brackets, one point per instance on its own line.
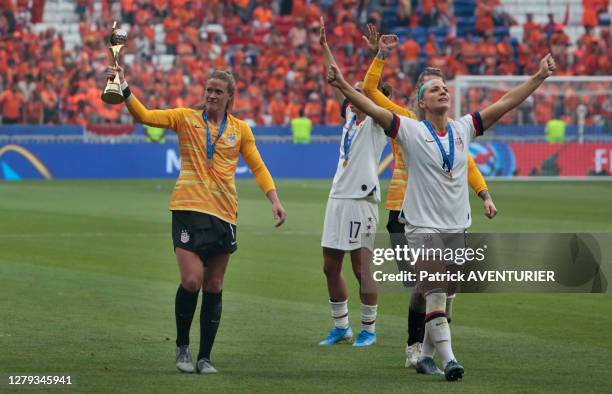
[130, 161]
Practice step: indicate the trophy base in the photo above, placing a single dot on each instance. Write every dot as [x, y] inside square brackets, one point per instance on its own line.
[112, 94]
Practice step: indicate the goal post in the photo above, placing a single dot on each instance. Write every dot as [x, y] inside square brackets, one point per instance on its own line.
[563, 130]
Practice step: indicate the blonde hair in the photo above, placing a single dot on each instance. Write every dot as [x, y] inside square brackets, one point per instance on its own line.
[228, 77]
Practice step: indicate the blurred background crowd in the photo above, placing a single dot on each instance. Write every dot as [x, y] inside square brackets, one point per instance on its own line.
[53, 53]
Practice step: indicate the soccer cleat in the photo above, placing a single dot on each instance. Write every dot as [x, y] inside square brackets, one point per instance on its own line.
[427, 366]
[337, 335]
[413, 352]
[365, 338]
[204, 366]
[183, 359]
[453, 371]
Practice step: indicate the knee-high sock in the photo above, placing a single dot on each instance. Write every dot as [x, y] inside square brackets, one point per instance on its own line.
[416, 318]
[368, 317]
[210, 316]
[449, 307]
[185, 305]
[339, 312]
[437, 329]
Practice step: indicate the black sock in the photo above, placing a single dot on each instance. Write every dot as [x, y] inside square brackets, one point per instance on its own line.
[416, 326]
[184, 307]
[210, 316]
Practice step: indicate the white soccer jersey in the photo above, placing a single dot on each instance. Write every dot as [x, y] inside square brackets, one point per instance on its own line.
[357, 174]
[434, 199]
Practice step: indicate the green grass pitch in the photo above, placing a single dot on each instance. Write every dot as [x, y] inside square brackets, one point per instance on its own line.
[88, 277]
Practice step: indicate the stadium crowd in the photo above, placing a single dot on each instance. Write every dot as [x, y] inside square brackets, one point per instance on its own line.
[272, 49]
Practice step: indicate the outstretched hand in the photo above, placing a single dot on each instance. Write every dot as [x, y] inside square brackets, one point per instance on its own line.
[388, 42]
[547, 66]
[371, 38]
[322, 37]
[334, 76]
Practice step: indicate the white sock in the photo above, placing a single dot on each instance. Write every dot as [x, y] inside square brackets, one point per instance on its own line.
[368, 317]
[428, 348]
[437, 329]
[339, 311]
[449, 306]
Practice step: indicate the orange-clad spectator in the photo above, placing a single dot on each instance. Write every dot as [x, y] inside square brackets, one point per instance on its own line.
[488, 49]
[431, 48]
[504, 50]
[471, 54]
[410, 56]
[298, 8]
[427, 7]
[33, 111]
[332, 112]
[294, 107]
[277, 109]
[11, 101]
[529, 27]
[263, 16]
[172, 28]
[312, 109]
[484, 22]
[276, 82]
[589, 13]
[312, 12]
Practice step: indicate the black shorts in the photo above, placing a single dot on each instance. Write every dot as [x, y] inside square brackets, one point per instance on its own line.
[204, 234]
[393, 224]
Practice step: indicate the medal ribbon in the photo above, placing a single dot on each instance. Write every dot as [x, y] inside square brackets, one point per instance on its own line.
[349, 138]
[210, 146]
[446, 160]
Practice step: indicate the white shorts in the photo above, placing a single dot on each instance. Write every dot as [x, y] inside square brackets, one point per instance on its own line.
[350, 224]
[434, 238]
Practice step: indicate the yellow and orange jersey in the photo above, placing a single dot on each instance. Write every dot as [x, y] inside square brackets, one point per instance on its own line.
[399, 179]
[202, 187]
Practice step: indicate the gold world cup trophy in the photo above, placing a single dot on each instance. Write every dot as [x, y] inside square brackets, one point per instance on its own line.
[112, 92]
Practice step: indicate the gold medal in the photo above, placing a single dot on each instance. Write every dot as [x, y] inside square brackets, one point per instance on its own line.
[345, 163]
[209, 163]
[450, 174]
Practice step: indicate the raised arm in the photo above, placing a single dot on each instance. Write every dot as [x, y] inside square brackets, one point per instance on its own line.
[518, 94]
[328, 58]
[380, 115]
[168, 118]
[372, 78]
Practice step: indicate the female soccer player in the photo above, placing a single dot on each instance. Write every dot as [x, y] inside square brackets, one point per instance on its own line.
[397, 186]
[436, 153]
[351, 216]
[204, 203]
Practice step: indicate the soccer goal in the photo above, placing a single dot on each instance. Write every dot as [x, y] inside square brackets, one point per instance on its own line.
[563, 130]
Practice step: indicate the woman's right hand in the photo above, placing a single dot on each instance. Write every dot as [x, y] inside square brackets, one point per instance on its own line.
[111, 71]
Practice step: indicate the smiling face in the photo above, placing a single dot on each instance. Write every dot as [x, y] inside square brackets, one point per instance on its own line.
[436, 98]
[217, 95]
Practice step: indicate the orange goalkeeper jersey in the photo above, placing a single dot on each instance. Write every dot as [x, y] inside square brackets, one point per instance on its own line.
[399, 179]
[200, 187]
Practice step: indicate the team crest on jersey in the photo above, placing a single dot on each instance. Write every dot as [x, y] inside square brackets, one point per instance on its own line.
[459, 143]
[231, 139]
[184, 236]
